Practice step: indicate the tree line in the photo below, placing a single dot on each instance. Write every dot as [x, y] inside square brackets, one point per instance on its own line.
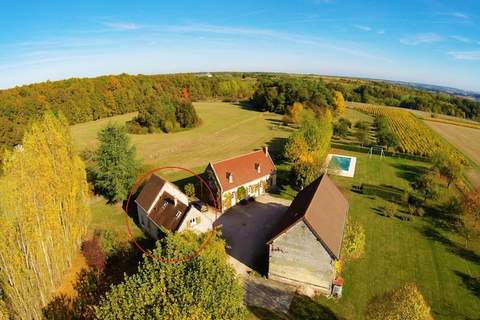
[378, 92]
[87, 99]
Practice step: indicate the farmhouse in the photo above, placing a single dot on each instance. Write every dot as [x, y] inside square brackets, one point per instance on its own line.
[163, 208]
[307, 241]
[246, 176]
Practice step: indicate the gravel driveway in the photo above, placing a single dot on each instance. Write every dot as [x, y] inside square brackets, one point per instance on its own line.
[246, 228]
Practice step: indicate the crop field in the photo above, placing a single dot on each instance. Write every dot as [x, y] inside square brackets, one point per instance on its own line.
[226, 130]
[465, 139]
[413, 136]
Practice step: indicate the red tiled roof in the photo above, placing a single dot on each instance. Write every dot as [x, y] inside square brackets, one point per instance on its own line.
[243, 168]
[323, 208]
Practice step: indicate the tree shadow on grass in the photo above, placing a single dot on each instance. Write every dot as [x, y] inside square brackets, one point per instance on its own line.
[471, 283]
[408, 172]
[265, 314]
[303, 307]
[440, 218]
[454, 248]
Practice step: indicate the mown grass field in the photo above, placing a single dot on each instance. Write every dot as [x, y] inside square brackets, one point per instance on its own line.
[425, 250]
[226, 130]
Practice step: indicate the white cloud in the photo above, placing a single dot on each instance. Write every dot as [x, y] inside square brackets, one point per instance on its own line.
[461, 39]
[459, 15]
[465, 55]
[421, 38]
[275, 35]
[122, 25]
[381, 31]
[363, 28]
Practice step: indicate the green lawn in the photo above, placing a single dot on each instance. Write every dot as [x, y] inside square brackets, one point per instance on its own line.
[112, 217]
[226, 130]
[422, 250]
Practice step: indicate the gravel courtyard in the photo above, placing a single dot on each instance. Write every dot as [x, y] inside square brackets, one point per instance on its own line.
[246, 228]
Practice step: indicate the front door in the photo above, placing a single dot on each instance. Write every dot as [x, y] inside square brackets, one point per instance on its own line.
[234, 200]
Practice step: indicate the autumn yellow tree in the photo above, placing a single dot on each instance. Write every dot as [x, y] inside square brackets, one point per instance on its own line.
[339, 102]
[43, 215]
[405, 302]
[293, 113]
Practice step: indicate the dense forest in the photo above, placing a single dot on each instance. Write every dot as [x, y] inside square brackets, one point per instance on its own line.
[380, 92]
[87, 99]
[276, 94]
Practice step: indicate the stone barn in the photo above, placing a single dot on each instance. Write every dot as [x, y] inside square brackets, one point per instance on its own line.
[308, 239]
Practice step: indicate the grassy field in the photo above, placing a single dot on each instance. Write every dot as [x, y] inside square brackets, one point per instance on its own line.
[226, 130]
[425, 250]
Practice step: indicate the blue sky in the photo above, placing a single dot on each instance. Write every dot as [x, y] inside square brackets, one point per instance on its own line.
[429, 41]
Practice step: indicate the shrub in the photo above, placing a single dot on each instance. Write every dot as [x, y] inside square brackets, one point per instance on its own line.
[135, 128]
[241, 193]
[405, 302]
[345, 121]
[390, 209]
[107, 240]
[340, 129]
[362, 125]
[189, 190]
[92, 252]
[353, 246]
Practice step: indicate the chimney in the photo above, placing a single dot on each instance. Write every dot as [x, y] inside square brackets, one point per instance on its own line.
[265, 150]
[258, 168]
[230, 177]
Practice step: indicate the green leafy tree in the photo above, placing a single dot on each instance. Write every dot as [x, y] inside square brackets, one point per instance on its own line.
[340, 129]
[43, 215]
[304, 173]
[406, 302]
[204, 287]
[310, 143]
[116, 167]
[448, 166]
[426, 186]
[362, 136]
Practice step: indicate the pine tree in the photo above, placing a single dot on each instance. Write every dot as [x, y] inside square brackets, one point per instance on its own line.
[43, 215]
[116, 166]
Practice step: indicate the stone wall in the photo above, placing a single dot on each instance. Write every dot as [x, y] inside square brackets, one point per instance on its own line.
[298, 258]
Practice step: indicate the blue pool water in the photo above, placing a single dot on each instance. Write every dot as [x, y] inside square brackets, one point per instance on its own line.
[342, 162]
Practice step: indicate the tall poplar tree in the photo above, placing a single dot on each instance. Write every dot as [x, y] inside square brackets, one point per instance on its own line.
[44, 215]
[116, 166]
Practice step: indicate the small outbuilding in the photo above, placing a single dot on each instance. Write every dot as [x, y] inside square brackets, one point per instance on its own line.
[307, 242]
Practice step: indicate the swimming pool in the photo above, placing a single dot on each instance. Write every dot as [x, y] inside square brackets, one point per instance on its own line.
[341, 165]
